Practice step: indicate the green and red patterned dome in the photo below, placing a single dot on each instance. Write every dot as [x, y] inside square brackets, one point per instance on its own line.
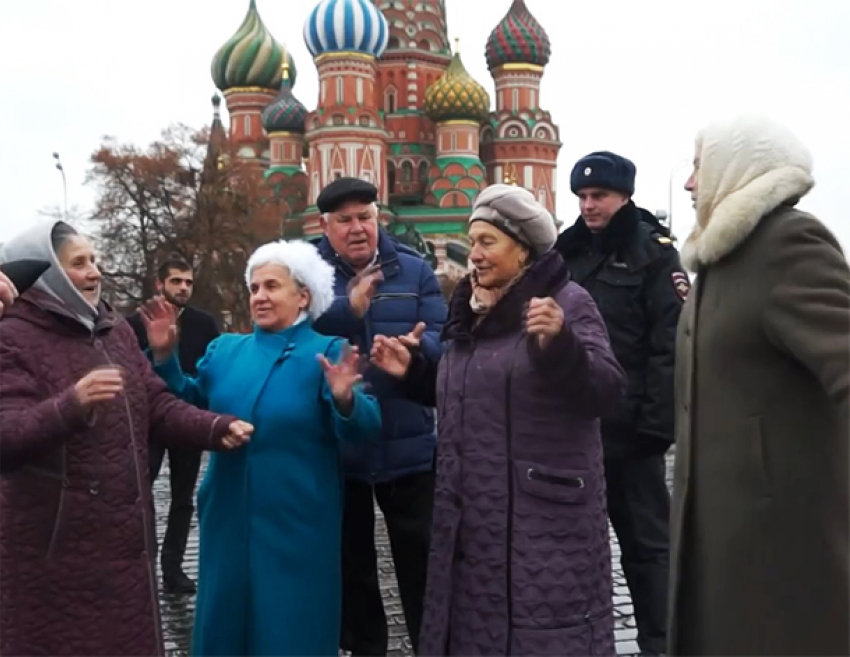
[285, 113]
[251, 57]
[455, 95]
[518, 39]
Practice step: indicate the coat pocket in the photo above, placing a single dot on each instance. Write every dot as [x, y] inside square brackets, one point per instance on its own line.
[588, 636]
[551, 484]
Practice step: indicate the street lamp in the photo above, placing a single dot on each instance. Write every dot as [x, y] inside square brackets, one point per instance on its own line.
[64, 182]
[678, 167]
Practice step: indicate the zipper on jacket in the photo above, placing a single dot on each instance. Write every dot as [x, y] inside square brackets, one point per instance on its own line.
[510, 528]
[146, 525]
[57, 522]
[572, 482]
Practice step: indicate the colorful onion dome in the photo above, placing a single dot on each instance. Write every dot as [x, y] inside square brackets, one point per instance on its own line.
[251, 57]
[455, 95]
[346, 26]
[519, 39]
[285, 113]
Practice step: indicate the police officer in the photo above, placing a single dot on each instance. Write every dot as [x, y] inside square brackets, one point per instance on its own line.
[627, 262]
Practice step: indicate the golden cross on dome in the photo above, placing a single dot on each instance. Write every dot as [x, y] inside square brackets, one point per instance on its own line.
[285, 68]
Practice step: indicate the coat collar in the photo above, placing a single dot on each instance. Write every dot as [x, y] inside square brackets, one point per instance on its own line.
[44, 310]
[621, 239]
[387, 256]
[543, 279]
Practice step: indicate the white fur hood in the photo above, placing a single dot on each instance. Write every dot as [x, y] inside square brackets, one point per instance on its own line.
[748, 167]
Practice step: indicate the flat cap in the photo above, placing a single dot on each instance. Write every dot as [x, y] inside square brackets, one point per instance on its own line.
[342, 190]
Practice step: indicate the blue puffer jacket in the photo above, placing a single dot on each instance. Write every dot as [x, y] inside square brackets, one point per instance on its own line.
[410, 293]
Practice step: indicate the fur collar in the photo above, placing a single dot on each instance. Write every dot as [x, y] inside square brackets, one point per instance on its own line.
[616, 238]
[749, 166]
[544, 278]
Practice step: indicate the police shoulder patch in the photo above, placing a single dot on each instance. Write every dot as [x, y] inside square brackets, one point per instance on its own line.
[681, 284]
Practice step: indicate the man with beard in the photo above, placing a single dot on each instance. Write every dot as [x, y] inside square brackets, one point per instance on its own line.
[196, 329]
[627, 262]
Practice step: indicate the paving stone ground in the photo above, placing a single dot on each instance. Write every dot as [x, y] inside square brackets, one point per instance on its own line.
[178, 611]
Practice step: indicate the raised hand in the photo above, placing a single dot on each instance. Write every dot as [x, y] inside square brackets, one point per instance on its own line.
[239, 434]
[100, 385]
[160, 320]
[8, 293]
[342, 377]
[544, 319]
[362, 288]
[393, 355]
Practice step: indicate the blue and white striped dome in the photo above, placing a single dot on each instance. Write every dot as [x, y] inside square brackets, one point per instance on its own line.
[346, 26]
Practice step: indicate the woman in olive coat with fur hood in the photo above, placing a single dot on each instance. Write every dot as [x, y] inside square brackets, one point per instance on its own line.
[759, 531]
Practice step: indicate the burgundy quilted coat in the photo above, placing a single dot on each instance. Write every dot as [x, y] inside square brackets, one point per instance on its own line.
[76, 546]
[520, 559]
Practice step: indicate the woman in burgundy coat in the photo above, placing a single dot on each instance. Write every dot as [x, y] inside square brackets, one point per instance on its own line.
[78, 400]
[520, 560]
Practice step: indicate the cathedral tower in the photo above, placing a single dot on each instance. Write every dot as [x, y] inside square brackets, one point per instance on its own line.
[417, 55]
[247, 69]
[520, 143]
[458, 105]
[346, 132]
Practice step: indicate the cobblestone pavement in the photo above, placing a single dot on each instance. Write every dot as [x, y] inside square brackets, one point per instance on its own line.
[177, 611]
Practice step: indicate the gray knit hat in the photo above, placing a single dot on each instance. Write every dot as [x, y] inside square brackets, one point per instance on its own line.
[516, 212]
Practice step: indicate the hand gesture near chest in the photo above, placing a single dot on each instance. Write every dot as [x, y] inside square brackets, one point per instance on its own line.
[544, 320]
[342, 377]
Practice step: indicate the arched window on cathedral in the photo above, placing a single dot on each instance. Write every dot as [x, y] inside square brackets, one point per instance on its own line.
[423, 172]
[390, 101]
[406, 172]
[391, 177]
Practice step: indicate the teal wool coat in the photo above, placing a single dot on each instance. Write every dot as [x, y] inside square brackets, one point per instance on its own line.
[270, 512]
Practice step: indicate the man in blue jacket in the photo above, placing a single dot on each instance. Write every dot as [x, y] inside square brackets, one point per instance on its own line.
[382, 288]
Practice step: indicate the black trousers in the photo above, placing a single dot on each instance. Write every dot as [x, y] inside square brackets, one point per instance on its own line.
[183, 466]
[639, 508]
[407, 505]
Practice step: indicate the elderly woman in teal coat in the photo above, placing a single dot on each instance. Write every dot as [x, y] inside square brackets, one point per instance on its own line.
[271, 515]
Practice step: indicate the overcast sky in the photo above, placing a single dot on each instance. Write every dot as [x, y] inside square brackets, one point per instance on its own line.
[636, 77]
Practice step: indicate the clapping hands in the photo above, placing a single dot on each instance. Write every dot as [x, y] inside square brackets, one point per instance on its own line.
[160, 320]
[343, 376]
[394, 355]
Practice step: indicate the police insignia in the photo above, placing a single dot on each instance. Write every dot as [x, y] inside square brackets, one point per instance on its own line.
[680, 284]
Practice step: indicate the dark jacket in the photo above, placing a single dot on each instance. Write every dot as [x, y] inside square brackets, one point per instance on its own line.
[196, 329]
[520, 561]
[633, 272]
[76, 541]
[410, 293]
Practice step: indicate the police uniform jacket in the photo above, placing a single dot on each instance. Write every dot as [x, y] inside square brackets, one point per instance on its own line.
[634, 274]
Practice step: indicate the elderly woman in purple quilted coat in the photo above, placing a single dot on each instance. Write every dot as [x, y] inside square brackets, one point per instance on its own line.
[520, 560]
[78, 400]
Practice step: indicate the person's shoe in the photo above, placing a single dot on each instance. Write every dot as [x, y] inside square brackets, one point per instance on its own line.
[178, 582]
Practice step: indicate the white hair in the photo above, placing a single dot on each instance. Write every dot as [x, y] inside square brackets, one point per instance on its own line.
[306, 267]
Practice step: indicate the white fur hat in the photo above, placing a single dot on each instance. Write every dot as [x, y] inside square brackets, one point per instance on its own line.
[305, 265]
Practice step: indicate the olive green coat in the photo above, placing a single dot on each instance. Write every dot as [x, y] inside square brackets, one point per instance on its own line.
[759, 532]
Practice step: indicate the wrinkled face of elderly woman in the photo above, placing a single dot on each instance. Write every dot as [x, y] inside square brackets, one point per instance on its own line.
[276, 298]
[77, 257]
[496, 258]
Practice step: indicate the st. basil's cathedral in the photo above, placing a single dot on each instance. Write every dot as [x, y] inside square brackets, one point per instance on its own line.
[397, 108]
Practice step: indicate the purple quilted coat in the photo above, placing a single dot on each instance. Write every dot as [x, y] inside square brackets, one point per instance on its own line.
[520, 560]
[76, 574]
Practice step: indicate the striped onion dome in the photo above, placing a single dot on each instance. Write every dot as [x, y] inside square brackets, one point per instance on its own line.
[518, 39]
[285, 113]
[251, 57]
[346, 26]
[456, 95]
